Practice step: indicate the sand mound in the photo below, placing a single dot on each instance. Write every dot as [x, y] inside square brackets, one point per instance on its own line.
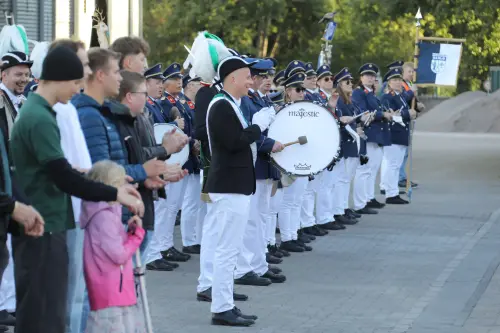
[472, 112]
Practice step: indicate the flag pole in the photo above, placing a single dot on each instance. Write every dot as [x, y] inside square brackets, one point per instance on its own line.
[418, 17]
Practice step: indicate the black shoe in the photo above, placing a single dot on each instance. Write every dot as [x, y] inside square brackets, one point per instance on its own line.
[252, 279]
[311, 237]
[273, 250]
[332, 226]
[272, 259]
[229, 318]
[277, 231]
[304, 239]
[402, 183]
[275, 278]
[291, 246]
[274, 269]
[397, 200]
[173, 254]
[244, 316]
[7, 319]
[315, 231]
[206, 296]
[373, 203]
[366, 210]
[159, 265]
[285, 253]
[193, 249]
[351, 214]
[306, 248]
[342, 219]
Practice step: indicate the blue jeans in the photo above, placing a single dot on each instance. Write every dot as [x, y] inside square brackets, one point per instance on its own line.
[77, 298]
[402, 170]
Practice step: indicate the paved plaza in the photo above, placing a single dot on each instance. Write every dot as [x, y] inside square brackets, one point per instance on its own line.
[428, 267]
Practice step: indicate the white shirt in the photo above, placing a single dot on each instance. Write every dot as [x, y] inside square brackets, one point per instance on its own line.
[237, 101]
[73, 143]
[16, 100]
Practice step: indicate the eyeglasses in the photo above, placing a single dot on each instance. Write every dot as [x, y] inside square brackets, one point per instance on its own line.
[349, 82]
[299, 90]
[145, 93]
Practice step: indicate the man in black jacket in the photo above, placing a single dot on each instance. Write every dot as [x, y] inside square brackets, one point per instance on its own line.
[231, 181]
[124, 113]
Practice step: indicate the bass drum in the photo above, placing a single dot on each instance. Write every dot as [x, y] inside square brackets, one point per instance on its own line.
[177, 158]
[310, 119]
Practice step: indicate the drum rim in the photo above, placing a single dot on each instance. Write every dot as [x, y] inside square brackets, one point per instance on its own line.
[335, 158]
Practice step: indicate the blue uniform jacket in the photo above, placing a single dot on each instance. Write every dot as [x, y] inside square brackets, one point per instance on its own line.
[313, 96]
[102, 137]
[378, 131]
[250, 105]
[189, 110]
[323, 98]
[399, 134]
[348, 145]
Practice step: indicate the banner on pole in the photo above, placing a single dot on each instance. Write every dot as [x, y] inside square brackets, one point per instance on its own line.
[438, 64]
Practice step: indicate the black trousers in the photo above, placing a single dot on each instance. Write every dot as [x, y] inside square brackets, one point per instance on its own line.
[41, 275]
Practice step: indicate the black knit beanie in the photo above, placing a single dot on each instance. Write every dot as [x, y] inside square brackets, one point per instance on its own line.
[62, 64]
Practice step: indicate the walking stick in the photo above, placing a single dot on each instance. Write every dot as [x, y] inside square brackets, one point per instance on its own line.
[144, 296]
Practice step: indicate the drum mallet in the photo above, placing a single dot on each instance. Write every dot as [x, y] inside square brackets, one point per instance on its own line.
[302, 140]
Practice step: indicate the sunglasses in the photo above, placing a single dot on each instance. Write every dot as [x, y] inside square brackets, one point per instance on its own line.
[299, 90]
[349, 82]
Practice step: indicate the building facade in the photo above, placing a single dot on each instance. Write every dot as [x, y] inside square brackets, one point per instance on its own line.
[46, 20]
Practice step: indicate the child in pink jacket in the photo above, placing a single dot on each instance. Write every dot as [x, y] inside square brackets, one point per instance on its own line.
[107, 259]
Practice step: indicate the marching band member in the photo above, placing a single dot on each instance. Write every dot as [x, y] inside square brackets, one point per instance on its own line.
[409, 89]
[394, 154]
[378, 136]
[231, 181]
[289, 212]
[278, 81]
[166, 209]
[327, 202]
[252, 268]
[193, 209]
[154, 79]
[346, 111]
[324, 83]
[310, 84]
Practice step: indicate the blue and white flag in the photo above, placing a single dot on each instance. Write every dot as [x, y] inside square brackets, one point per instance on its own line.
[438, 64]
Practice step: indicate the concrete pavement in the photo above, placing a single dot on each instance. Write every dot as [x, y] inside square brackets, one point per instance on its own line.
[426, 267]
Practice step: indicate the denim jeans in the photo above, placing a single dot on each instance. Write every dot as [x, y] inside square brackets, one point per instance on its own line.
[76, 281]
[402, 170]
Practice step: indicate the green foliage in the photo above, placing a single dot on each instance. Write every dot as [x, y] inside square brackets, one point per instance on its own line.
[378, 31]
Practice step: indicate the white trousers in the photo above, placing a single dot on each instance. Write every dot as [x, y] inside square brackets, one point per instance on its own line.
[383, 169]
[364, 181]
[307, 218]
[346, 176]
[394, 156]
[338, 189]
[165, 214]
[253, 249]
[7, 286]
[192, 211]
[208, 244]
[376, 154]
[231, 211]
[326, 198]
[274, 207]
[289, 212]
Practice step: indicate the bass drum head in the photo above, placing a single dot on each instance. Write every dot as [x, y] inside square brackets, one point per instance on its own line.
[177, 158]
[305, 118]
